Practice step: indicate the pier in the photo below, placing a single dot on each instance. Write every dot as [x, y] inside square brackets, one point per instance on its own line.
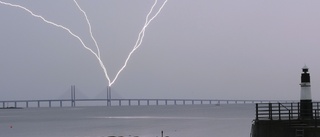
[124, 102]
[300, 119]
[285, 120]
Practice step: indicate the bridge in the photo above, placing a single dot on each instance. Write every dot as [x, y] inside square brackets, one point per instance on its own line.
[126, 102]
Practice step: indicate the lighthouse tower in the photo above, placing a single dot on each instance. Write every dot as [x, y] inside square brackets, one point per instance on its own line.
[305, 95]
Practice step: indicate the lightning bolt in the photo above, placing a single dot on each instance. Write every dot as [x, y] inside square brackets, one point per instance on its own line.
[90, 28]
[97, 55]
[64, 28]
[140, 37]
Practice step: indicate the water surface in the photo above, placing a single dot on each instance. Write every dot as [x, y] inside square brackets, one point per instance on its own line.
[229, 120]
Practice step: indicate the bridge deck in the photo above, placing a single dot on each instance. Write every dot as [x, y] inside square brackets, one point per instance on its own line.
[124, 102]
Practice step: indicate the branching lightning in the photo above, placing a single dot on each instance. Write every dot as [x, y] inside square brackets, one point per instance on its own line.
[62, 27]
[97, 55]
[90, 28]
[140, 37]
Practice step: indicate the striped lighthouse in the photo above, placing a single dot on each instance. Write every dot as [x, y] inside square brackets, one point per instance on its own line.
[305, 95]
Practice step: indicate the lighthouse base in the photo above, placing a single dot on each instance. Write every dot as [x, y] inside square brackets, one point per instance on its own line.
[306, 109]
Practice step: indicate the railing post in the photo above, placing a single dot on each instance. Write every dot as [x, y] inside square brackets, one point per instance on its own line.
[279, 110]
[129, 102]
[60, 103]
[270, 111]
[257, 111]
[49, 103]
[318, 108]
[290, 114]
[315, 118]
[27, 105]
[15, 104]
[298, 110]
[289, 117]
[38, 104]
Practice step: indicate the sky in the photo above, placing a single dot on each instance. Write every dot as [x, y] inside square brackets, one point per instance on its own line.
[203, 49]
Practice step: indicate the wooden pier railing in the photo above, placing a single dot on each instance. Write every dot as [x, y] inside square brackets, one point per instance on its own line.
[283, 111]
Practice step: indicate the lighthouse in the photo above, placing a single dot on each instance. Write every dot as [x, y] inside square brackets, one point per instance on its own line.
[305, 95]
[273, 119]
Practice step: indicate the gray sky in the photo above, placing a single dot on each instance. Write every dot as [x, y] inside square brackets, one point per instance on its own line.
[210, 49]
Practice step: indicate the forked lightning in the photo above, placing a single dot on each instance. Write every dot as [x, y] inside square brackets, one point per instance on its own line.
[97, 55]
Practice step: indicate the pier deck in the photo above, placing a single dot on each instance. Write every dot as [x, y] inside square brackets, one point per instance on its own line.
[284, 120]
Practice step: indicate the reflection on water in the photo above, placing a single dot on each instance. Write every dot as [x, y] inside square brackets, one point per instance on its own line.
[143, 121]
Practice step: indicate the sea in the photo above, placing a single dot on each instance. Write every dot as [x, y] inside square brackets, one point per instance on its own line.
[224, 120]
